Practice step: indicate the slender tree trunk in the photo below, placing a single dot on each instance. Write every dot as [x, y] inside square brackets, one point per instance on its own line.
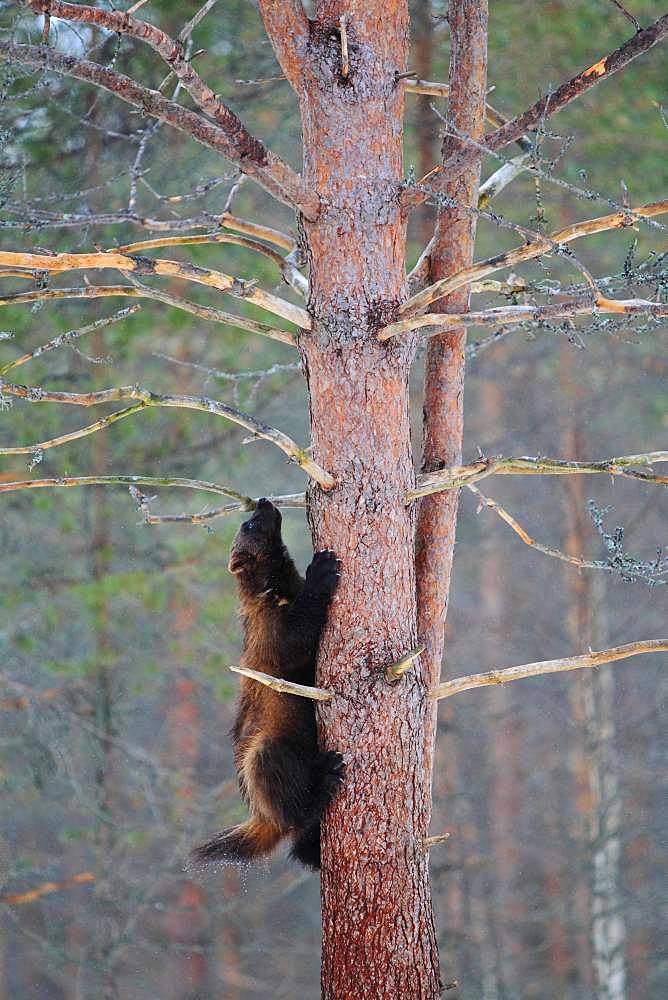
[103, 698]
[592, 701]
[504, 734]
[188, 971]
[445, 365]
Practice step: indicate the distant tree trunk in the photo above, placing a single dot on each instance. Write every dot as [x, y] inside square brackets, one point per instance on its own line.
[592, 700]
[102, 697]
[504, 734]
[422, 24]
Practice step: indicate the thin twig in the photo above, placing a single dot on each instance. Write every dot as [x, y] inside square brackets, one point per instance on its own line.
[296, 500]
[45, 889]
[188, 28]
[66, 338]
[592, 659]
[627, 14]
[286, 687]
[68, 482]
[547, 550]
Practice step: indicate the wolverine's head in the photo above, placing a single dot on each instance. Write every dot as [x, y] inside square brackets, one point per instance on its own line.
[258, 539]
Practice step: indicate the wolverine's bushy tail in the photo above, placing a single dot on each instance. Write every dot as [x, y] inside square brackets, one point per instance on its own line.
[240, 843]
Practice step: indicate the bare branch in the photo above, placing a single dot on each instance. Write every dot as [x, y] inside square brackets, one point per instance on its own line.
[139, 290]
[81, 432]
[464, 475]
[286, 687]
[440, 838]
[501, 178]
[287, 26]
[430, 88]
[291, 274]
[143, 266]
[69, 482]
[583, 305]
[592, 659]
[31, 218]
[296, 500]
[144, 399]
[529, 251]
[603, 69]
[397, 670]
[260, 232]
[236, 144]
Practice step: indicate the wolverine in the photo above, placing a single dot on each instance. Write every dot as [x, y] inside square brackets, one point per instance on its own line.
[285, 779]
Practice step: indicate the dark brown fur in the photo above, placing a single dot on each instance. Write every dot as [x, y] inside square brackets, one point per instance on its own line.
[286, 781]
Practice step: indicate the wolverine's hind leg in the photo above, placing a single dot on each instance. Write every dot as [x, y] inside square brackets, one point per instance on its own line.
[306, 847]
[280, 783]
[328, 772]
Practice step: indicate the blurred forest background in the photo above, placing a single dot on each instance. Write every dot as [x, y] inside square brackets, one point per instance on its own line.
[115, 699]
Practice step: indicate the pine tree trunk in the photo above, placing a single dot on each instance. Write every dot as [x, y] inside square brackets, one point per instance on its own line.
[378, 933]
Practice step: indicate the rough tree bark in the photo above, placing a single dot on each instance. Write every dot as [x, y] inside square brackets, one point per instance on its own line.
[377, 914]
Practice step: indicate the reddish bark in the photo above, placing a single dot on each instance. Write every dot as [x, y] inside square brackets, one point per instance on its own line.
[444, 376]
[377, 918]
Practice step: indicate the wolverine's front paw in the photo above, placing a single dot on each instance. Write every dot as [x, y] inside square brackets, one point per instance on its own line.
[322, 576]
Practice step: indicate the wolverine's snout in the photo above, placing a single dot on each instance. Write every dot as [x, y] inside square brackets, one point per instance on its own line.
[250, 545]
